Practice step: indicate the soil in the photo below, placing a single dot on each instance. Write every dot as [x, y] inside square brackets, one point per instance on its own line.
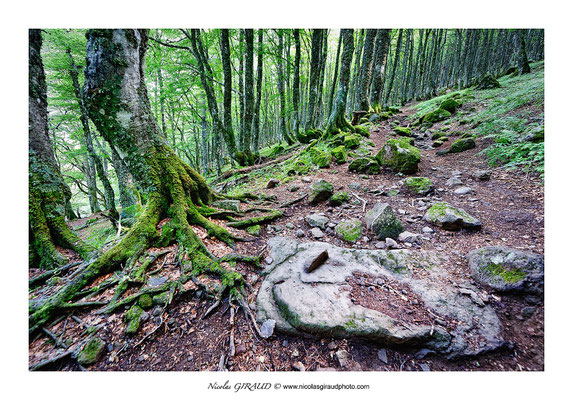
[509, 205]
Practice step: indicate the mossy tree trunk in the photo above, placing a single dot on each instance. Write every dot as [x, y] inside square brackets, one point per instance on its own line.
[380, 55]
[337, 120]
[116, 100]
[257, 110]
[47, 189]
[523, 63]
[281, 89]
[362, 102]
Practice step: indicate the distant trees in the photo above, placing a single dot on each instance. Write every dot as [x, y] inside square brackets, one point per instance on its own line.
[220, 96]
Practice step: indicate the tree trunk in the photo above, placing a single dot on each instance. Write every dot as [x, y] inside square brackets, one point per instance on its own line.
[48, 193]
[314, 76]
[362, 102]
[393, 73]
[381, 54]
[281, 88]
[337, 120]
[334, 80]
[296, 82]
[523, 63]
[257, 111]
[249, 95]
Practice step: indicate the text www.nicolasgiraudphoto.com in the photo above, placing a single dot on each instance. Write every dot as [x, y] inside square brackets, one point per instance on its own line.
[256, 386]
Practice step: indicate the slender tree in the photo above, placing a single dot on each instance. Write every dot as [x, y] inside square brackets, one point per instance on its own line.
[380, 55]
[362, 102]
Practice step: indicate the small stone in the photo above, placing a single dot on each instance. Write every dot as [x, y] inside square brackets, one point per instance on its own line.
[299, 233]
[240, 349]
[382, 356]
[272, 183]
[289, 225]
[527, 312]
[157, 311]
[427, 229]
[354, 186]
[454, 181]
[391, 243]
[425, 367]
[423, 353]
[482, 175]
[316, 233]
[332, 345]
[268, 260]
[305, 179]
[299, 366]
[380, 245]
[463, 190]
[293, 188]
[295, 353]
[409, 237]
[267, 328]
[92, 351]
[317, 220]
[342, 356]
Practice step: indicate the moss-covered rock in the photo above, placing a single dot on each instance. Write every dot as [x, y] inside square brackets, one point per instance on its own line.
[367, 165]
[362, 130]
[321, 158]
[145, 301]
[91, 352]
[349, 231]
[435, 116]
[438, 135]
[320, 191]
[339, 154]
[338, 198]
[506, 269]
[488, 82]
[231, 205]
[309, 135]
[133, 319]
[419, 185]
[400, 156]
[403, 131]
[382, 221]
[161, 299]
[437, 143]
[462, 145]
[449, 104]
[468, 135]
[352, 141]
[450, 218]
[254, 230]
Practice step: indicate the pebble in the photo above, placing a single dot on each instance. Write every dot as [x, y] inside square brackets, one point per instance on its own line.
[382, 356]
[425, 367]
[427, 229]
[305, 179]
[463, 190]
[272, 183]
[299, 233]
[268, 260]
[289, 225]
[454, 181]
[391, 243]
[527, 312]
[342, 356]
[267, 328]
[295, 353]
[299, 366]
[380, 245]
[316, 233]
[423, 353]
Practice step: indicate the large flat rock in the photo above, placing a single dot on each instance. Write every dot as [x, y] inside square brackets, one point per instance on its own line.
[321, 303]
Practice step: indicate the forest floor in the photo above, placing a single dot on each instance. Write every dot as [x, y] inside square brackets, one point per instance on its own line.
[509, 205]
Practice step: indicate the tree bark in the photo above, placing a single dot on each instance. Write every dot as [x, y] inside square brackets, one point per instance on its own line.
[393, 73]
[381, 54]
[257, 110]
[296, 82]
[362, 102]
[48, 192]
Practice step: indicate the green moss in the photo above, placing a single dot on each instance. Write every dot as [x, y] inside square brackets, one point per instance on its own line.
[339, 154]
[349, 231]
[91, 352]
[462, 145]
[309, 135]
[435, 116]
[161, 299]
[362, 130]
[351, 141]
[513, 275]
[399, 156]
[145, 301]
[367, 165]
[320, 158]
[403, 131]
[338, 198]
[133, 319]
[449, 105]
[419, 185]
[254, 230]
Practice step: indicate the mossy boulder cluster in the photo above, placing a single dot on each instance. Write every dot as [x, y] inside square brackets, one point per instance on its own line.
[349, 231]
[382, 221]
[399, 156]
[450, 218]
[362, 130]
[505, 269]
[320, 191]
[419, 185]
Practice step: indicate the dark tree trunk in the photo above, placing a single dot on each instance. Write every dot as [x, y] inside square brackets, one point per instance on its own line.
[335, 79]
[393, 73]
[381, 54]
[314, 77]
[296, 82]
[337, 120]
[249, 95]
[523, 63]
[281, 89]
[362, 102]
[48, 192]
[257, 111]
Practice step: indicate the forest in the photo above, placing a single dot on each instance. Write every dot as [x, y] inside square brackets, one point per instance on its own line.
[286, 199]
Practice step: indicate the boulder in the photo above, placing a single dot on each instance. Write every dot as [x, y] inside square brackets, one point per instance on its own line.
[317, 220]
[272, 183]
[362, 130]
[339, 154]
[352, 141]
[450, 218]
[488, 82]
[419, 185]
[309, 135]
[403, 131]
[482, 175]
[400, 156]
[462, 145]
[231, 205]
[320, 158]
[320, 191]
[338, 198]
[507, 270]
[366, 165]
[382, 221]
[435, 116]
[349, 231]
[449, 105]
[91, 352]
[319, 303]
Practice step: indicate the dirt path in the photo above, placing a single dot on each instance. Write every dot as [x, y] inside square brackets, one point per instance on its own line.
[509, 205]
